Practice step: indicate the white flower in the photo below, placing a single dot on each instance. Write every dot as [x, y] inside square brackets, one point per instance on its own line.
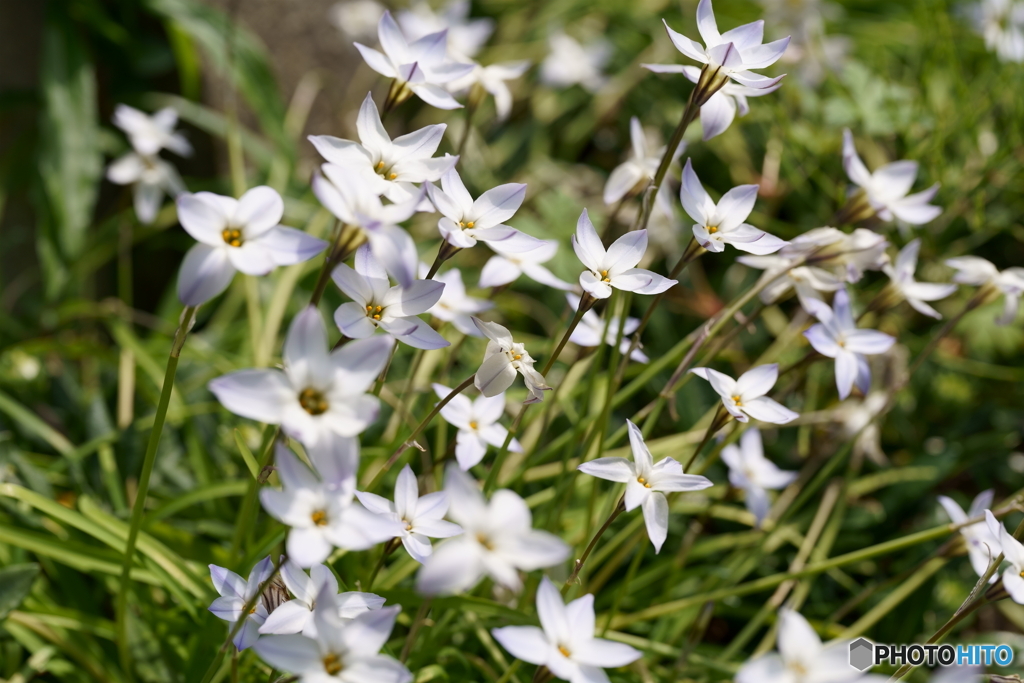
[419, 518]
[565, 644]
[390, 167]
[151, 177]
[1013, 552]
[632, 174]
[746, 395]
[321, 511]
[296, 615]
[615, 267]
[320, 396]
[570, 63]
[357, 18]
[806, 281]
[847, 256]
[722, 223]
[982, 544]
[235, 592]
[344, 650]
[477, 422]
[422, 66]
[916, 293]
[376, 304]
[506, 267]
[974, 270]
[838, 337]
[455, 306]
[498, 541]
[646, 482]
[717, 114]
[150, 134]
[751, 471]
[465, 221]
[857, 416]
[503, 358]
[591, 328]
[733, 53]
[236, 234]
[886, 190]
[1001, 22]
[492, 79]
[801, 657]
[465, 36]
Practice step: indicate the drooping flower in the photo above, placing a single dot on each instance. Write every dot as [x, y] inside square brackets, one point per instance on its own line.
[344, 650]
[150, 134]
[296, 615]
[422, 67]
[974, 270]
[455, 306]
[419, 518]
[466, 36]
[235, 592]
[722, 223]
[635, 172]
[616, 266]
[591, 328]
[565, 643]
[1001, 23]
[755, 474]
[837, 336]
[982, 545]
[477, 422]
[801, 657]
[377, 305]
[465, 220]
[503, 358]
[886, 190]
[901, 275]
[150, 177]
[505, 267]
[807, 281]
[1013, 552]
[236, 235]
[844, 255]
[492, 79]
[745, 396]
[570, 63]
[498, 541]
[646, 482]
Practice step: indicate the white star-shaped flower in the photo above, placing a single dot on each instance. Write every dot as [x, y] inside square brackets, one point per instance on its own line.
[974, 270]
[150, 134]
[492, 78]
[901, 275]
[982, 545]
[150, 177]
[1013, 553]
[466, 36]
[1001, 23]
[465, 220]
[633, 174]
[503, 358]
[801, 658]
[506, 267]
[235, 592]
[745, 396]
[616, 266]
[455, 306]
[477, 422]
[755, 474]
[296, 615]
[807, 281]
[570, 63]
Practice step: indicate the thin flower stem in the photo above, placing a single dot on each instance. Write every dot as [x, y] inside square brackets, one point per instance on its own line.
[586, 303]
[623, 590]
[620, 507]
[472, 103]
[384, 373]
[188, 317]
[389, 548]
[721, 417]
[245, 513]
[345, 242]
[417, 625]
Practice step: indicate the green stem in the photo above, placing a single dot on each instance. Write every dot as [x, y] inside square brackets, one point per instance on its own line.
[620, 507]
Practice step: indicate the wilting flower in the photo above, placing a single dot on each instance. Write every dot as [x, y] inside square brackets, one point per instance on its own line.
[722, 223]
[506, 267]
[320, 396]
[886, 190]
[915, 293]
[465, 35]
[755, 474]
[1013, 552]
[390, 167]
[616, 266]
[806, 281]
[376, 304]
[570, 63]
[982, 545]
[150, 134]
[465, 221]
[492, 79]
[344, 650]
[418, 518]
[236, 234]
[746, 395]
[498, 541]
[591, 328]
[801, 657]
[503, 358]
[455, 306]
[477, 422]
[235, 592]
[1001, 23]
[635, 172]
[838, 337]
[151, 178]
[974, 270]
[565, 643]
[733, 53]
[422, 67]
[646, 482]
[296, 615]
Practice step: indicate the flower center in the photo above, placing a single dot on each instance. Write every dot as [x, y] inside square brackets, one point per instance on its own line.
[332, 664]
[319, 517]
[643, 481]
[798, 668]
[384, 172]
[712, 229]
[233, 236]
[604, 276]
[374, 311]
[484, 541]
[313, 401]
[468, 225]
[473, 424]
[564, 650]
[738, 400]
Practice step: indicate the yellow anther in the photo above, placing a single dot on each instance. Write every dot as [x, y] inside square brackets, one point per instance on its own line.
[392, 176]
[313, 401]
[470, 224]
[564, 650]
[233, 236]
[737, 400]
[516, 356]
[713, 229]
[376, 316]
[472, 425]
[332, 665]
[380, 308]
[484, 541]
[319, 518]
[380, 165]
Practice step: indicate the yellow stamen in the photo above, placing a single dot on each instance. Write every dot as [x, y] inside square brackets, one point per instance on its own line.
[470, 224]
[643, 481]
[737, 400]
[313, 401]
[484, 541]
[713, 229]
[564, 650]
[380, 165]
[233, 236]
[472, 425]
[332, 665]
[319, 517]
[392, 176]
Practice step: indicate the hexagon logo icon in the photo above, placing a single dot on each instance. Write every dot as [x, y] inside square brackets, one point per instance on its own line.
[862, 654]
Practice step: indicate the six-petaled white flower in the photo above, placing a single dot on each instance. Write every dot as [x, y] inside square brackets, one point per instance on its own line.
[150, 177]
[150, 134]
[455, 306]
[807, 281]
[646, 482]
[498, 540]
[565, 643]
[466, 220]
[235, 592]
[505, 267]
[616, 266]
[1001, 23]
[296, 615]
[722, 223]
[477, 422]
[236, 234]
[837, 336]
[419, 518]
[570, 63]
[974, 270]
[492, 79]
[1013, 553]
[982, 545]
[466, 36]
[633, 174]
[503, 358]
[745, 396]
[901, 275]
[591, 328]
[755, 474]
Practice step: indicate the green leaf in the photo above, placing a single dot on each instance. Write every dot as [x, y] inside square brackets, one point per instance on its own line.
[15, 583]
[247, 456]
